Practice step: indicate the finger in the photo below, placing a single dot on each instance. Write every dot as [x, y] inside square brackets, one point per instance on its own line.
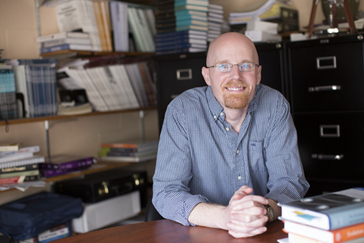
[241, 204]
[242, 192]
[237, 234]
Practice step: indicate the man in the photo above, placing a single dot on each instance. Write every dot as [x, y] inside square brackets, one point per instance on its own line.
[228, 151]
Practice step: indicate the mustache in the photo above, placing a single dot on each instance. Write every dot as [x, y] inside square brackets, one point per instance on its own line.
[236, 83]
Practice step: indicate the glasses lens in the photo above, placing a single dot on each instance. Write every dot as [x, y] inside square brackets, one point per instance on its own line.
[246, 66]
[224, 67]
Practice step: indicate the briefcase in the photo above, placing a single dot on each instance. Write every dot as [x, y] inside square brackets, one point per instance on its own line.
[103, 185]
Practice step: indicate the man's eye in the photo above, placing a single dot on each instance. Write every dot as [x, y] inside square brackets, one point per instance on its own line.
[224, 65]
[245, 65]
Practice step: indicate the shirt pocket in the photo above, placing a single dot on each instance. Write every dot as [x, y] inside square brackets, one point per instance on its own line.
[256, 155]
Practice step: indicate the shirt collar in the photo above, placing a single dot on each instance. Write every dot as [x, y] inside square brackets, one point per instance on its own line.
[216, 108]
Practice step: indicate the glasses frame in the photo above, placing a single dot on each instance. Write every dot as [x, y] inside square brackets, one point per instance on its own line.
[232, 65]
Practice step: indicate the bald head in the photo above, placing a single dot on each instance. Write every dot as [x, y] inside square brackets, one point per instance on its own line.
[229, 42]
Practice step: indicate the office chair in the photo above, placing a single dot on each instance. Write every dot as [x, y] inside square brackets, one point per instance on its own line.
[151, 213]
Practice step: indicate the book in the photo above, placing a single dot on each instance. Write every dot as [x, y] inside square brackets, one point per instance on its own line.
[20, 173]
[126, 152]
[137, 144]
[19, 179]
[19, 168]
[67, 162]
[35, 159]
[10, 147]
[63, 35]
[58, 232]
[25, 152]
[129, 158]
[8, 109]
[64, 110]
[57, 42]
[79, 15]
[325, 236]
[119, 25]
[328, 211]
[52, 172]
[80, 47]
[262, 36]
[302, 239]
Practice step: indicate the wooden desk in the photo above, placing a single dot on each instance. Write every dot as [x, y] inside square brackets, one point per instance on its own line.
[166, 231]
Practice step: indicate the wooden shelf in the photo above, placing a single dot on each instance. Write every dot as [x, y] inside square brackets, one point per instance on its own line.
[98, 167]
[48, 118]
[93, 53]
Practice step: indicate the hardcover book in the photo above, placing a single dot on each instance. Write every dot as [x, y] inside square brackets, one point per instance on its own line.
[327, 236]
[328, 211]
[67, 162]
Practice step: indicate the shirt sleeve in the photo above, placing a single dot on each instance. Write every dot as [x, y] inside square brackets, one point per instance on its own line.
[171, 196]
[286, 176]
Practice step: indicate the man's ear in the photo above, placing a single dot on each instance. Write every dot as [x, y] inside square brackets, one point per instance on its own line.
[206, 75]
[259, 74]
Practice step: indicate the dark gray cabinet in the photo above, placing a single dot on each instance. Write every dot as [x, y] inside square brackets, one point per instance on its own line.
[326, 79]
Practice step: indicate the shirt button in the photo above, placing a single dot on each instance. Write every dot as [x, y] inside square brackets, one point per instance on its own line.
[239, 177]
[215, 117]
[227, 129]
[221, 114]
[237, 151]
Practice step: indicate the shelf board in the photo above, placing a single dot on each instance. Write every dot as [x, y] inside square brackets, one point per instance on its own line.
[98, 167]
[92, 53]
[49, 118]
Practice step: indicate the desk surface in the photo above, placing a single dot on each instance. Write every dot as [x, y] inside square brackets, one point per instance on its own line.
[166, 231]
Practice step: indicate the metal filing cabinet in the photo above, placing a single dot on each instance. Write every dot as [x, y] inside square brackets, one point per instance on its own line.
[326, 78]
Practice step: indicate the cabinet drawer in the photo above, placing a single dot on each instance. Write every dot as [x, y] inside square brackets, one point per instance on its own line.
[176, 74]
[331, 145]
[327, 76]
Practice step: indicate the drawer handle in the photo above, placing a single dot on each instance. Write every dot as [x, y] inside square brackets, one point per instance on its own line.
[326, 62]
[184, 74]
[330, 131]
[324, 88]
[327, 156]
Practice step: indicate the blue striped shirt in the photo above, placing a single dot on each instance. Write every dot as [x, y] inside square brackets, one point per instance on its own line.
[201, 159]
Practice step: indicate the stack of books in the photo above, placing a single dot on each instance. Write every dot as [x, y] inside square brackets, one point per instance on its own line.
[262, 31]
[35, 79]
[8, 105]
[176, 21]
[114, 82]
[108, 24]
[65, 41]
[328, 218]
[60, 165]
[19, 164]
[129, 151]
[215, 20]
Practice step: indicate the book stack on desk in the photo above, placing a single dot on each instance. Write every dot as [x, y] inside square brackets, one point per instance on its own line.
[181, 26]
[129, 151]
[19, 164]
[328, 218]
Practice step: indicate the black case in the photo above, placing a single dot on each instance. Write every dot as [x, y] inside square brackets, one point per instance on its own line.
[104, 185]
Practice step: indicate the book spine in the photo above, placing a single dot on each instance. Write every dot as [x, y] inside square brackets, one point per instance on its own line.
[21, 173]
[14, 163]
[351, 215]
[18, 179]
[19, 168]
[50, 172]
[69, 165]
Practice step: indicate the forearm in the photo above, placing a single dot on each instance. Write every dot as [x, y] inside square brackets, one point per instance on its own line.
[209, 215]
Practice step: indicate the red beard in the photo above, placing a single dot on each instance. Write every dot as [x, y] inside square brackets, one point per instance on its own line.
[236, 100]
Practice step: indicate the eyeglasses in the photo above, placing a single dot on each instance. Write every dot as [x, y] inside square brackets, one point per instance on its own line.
[227, 67]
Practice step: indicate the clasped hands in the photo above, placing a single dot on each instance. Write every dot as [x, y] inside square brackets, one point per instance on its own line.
[245, 214]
